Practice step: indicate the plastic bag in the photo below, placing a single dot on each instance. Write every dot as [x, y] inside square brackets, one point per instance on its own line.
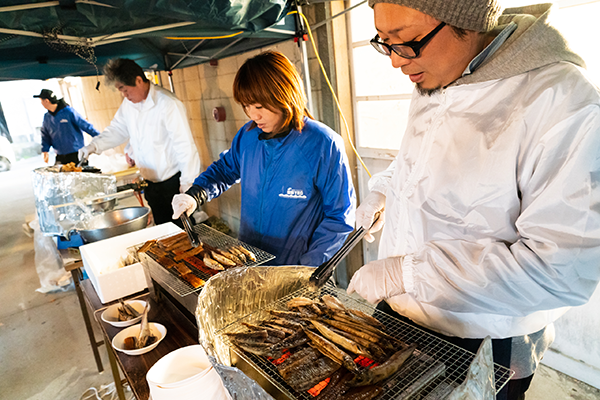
[479, 384]
[48, 264]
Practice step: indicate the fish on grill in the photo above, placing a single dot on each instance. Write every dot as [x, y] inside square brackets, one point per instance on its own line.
[309, 374]
[385, 370]
[340, 340]
[270, 331]
[210, 263]
[331, 351]
[337, 385]
[222, 259]
[292, 341]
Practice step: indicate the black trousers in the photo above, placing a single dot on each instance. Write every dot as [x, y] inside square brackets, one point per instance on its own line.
[67, 158]
[159, 196]
[514, 390]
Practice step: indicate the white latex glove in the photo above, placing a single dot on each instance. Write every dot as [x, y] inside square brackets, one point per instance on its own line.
[365, 214]
[378, 280]
[183, 203]
[85, 151]
[184, 187]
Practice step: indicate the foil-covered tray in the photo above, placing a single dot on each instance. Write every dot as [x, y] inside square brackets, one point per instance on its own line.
[207, 235]
[432, 372]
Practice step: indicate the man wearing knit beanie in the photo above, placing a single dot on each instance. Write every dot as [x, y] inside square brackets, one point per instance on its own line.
[491, 207]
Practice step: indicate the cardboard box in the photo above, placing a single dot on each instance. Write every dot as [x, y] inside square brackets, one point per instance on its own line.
[99, 256]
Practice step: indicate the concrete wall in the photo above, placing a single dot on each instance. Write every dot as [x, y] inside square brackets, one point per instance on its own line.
[576, 349]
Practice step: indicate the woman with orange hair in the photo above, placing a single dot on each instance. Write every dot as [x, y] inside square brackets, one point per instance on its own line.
[298, 201]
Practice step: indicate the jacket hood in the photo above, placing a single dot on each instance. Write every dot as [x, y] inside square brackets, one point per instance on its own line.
[534, 44]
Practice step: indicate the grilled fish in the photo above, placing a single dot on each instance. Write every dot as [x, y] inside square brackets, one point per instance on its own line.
[337, 385]
[385, 370]
[222, 259]
[333, 303]
[341, 340]
[246, 252]
[259, 350]
[295, 340]
[238, 254]
[367, 318]
[145, 337]
[210, 263]
[311, 373]
[270, 331]
[299, 301]
[332, 351]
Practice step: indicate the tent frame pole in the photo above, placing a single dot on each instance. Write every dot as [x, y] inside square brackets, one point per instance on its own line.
[306, 72]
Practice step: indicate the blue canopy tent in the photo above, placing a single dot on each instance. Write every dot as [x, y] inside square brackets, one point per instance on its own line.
[53, 39]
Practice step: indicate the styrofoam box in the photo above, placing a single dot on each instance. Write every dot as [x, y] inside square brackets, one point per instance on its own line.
[99, 256]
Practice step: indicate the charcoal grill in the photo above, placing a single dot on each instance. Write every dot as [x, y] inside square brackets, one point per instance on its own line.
[207, 235]
[434, 370]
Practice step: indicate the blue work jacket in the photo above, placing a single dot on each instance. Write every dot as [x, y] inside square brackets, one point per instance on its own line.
[298, 201]
[63, 131]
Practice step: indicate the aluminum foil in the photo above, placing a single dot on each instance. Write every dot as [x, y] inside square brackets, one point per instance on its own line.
[231, 295]
[52, 189]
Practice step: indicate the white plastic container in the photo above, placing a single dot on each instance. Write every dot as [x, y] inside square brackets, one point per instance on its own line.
[100, 256]
[185, 374]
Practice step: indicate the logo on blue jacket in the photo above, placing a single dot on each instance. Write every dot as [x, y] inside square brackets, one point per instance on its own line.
[64, 121]
[292, 193]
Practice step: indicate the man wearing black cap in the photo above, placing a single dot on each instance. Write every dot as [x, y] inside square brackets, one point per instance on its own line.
[492, 205]
[62, 129]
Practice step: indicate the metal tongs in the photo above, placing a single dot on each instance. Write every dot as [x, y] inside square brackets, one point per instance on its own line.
[189, 229]
[83, 159]
[325, 270]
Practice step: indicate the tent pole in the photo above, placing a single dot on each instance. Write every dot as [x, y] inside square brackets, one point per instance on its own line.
[169, 73]
[306, 72]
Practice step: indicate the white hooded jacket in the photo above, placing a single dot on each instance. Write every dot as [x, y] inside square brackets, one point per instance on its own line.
[494, 198]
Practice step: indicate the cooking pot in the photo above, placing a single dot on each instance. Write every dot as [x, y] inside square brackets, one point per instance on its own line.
[114, 223]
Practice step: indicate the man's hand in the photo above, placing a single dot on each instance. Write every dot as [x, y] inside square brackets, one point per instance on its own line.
[130, 161]
[378, 280]
[85, 151]
[366, 212]
[183, 203]
[46, 157]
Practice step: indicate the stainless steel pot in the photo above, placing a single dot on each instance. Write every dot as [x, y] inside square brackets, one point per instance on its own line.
[114, 223]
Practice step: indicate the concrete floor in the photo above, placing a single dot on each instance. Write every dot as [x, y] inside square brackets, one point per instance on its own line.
[44, 349]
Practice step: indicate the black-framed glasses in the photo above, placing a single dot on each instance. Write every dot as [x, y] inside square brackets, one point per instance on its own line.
[408, 50]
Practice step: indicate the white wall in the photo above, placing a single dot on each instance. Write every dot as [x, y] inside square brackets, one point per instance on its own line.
[576, 349]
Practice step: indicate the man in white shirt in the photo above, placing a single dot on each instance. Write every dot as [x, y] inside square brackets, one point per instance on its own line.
[155, 123]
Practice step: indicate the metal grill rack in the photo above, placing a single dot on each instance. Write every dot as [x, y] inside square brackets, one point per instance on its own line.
[207, 235]
[434, 370]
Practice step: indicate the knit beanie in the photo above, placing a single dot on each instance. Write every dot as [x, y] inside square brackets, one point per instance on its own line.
[473, 15]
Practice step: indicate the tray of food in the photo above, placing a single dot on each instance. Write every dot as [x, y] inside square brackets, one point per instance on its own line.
[327, 345]
[184, 268]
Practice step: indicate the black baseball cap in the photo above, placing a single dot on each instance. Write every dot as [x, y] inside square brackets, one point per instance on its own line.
[45, 94]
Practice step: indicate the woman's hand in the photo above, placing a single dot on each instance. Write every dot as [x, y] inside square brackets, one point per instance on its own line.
[183, 203]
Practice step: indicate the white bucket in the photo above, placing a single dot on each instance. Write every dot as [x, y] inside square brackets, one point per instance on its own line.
[185, 374]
